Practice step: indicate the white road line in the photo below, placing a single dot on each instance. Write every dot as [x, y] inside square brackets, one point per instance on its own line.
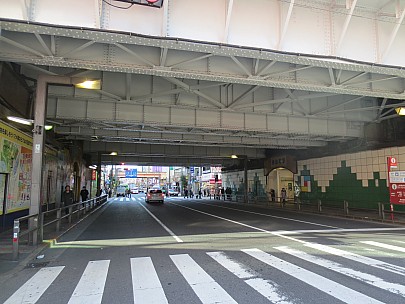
[204, 286]
[33, 289]
[330, 287]
[358, 275]
[91, 285]
[268, 289]
[163, 225]
[385, 246]
[269, 215]
[121, 199]
[145, 282]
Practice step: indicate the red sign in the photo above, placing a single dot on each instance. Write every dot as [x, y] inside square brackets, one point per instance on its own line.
[396, 182]
[392, 163]
[212, 181]
[93, 175]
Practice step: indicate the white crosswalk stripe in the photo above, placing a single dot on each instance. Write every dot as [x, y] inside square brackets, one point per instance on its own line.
[364, 277]
[385, 246]
[145, 282]
[268, 289]
[91, 285]
[332, 288]
[201, 282]
[148, 287]
[33, 289]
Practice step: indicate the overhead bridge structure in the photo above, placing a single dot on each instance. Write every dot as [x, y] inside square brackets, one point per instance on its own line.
[196, 81]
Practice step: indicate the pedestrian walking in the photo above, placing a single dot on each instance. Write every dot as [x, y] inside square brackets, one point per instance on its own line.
[67, 198]
[84, 193]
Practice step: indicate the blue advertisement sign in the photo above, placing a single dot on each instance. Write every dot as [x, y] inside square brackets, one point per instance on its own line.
[131, 173]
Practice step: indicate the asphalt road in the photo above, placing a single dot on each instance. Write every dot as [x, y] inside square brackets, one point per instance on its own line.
[206, 251]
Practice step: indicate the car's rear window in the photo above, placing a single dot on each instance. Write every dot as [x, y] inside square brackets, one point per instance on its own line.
[155, 191]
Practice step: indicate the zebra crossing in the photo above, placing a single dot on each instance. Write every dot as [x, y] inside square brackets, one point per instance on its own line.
[292, 262]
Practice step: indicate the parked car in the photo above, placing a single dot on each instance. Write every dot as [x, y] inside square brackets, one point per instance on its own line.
[173, 192]
[154, 195]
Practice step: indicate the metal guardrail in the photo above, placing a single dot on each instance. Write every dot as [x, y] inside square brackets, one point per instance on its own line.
[46, 218]
[320, 206]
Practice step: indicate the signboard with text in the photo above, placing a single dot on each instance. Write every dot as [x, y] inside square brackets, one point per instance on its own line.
[131, 173]
[396, 182]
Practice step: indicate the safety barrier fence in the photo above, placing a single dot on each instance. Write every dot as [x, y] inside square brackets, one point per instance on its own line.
[27, 226]
[382, 211]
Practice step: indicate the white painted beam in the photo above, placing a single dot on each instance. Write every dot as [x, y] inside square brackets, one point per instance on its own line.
[345, 26]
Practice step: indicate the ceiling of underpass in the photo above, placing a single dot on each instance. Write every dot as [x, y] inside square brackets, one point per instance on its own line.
[195, 81]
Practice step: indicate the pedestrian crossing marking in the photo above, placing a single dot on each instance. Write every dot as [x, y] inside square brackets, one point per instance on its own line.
[33, 289]
[204, 286]
[355, 274]
[268, 289]
[91, 285]
[357, 258]
[385, 246]
[147, 287]
[145, 282]
[330, 287]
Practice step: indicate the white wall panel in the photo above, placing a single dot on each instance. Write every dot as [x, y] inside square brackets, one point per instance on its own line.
[277, 123]
[12, 10]
[261, 31]
[157, 115]
[255, 122]
[208, 119]
[130, 112]
[71, 108]
[298, 125]
[182, 116]
[233, 120]
[133, 19]
[73, 12]
[100, 110]
[197, 20]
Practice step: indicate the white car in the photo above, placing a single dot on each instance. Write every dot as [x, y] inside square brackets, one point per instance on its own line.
[134, 190]
[155, 195]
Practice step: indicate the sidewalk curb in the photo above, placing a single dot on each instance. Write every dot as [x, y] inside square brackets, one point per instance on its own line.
[21, 264]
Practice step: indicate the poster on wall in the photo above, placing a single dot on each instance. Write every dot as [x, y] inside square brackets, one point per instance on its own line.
[16, 160]
[306, 183]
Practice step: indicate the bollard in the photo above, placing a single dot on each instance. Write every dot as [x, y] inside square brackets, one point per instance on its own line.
[346, 207]
[16, 235]
[319, 206]
[58, 216]
[299, 204]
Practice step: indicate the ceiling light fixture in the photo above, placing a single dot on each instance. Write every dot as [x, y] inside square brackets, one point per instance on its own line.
[400, 111]
[89, 84]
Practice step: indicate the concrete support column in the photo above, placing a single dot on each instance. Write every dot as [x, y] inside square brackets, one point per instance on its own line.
[245, 178]
[38, 146]
[98, 173]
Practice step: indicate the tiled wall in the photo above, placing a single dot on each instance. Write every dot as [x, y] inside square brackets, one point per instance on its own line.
[358, 177]
[235, 181]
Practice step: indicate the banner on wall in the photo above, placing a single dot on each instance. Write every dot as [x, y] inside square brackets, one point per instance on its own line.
[306, 183]
[16, 160]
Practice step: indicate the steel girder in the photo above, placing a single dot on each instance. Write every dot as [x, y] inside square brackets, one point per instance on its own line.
[237, 80]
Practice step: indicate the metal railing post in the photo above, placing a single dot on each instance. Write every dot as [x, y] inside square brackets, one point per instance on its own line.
[58, 216]
[70, 214]
[346, 207]
[41, 228]
[382, 212]
[16, 239]
[319, 206]
[298, 204]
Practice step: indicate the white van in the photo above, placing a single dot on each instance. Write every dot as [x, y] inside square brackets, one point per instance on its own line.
[121, 190]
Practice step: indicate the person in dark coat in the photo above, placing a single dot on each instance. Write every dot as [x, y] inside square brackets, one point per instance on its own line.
[84, 194]
[67, 198]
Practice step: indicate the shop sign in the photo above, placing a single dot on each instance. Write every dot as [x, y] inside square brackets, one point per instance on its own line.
[93, 175]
